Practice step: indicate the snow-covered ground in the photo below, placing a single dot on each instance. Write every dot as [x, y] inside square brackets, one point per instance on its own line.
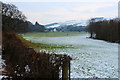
[91, 58]
[1, 64]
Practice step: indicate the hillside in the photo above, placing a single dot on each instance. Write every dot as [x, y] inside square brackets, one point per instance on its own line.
[35, 27]
[68, 26]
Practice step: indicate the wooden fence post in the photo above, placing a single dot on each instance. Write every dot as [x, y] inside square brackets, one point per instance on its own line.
[65, 70]
[69, 70]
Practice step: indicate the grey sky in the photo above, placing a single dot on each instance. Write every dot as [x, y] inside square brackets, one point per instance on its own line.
[46, 12]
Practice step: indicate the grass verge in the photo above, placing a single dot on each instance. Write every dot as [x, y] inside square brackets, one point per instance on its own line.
[52, 34]
[38, 46]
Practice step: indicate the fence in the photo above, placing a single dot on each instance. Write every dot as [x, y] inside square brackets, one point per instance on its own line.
[23, 62]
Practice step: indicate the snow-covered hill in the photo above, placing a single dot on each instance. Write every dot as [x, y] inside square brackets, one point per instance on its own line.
[67, 23]
[53, 25]
[75, 22]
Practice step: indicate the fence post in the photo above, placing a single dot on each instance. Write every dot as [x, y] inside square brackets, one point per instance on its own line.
[69, 70]
[65, 70]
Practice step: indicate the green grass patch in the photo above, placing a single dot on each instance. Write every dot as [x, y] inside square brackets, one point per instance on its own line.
[52, 34]
[39, 46]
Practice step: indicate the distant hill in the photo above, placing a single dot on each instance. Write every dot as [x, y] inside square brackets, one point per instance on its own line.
[52, 24]
[67, 26]
[36, 27]
[98, 19]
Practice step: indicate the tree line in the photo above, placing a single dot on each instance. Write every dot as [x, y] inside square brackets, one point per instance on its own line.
[22, 62]
[107, 30]
[15, 20]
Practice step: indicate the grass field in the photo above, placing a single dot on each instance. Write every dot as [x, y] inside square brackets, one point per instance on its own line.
[91, 57]
[52, 34]
[39, 46]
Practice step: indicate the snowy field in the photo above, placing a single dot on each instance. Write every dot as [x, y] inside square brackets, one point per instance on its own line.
[1, 64]
[91, 58]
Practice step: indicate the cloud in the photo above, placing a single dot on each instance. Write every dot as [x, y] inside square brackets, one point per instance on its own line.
[91, 7]
[60, 0]
[56, 12]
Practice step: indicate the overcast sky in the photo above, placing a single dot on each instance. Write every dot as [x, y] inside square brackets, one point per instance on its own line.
[50, 11]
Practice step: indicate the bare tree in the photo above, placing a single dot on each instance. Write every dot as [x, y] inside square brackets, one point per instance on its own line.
[12, 11]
